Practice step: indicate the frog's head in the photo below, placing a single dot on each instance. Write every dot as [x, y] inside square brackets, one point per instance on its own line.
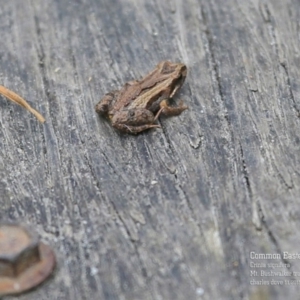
[175, 73]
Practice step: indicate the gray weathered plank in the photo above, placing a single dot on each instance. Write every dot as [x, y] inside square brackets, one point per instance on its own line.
[172, 213]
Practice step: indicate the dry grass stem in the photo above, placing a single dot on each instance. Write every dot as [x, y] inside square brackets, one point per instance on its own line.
[19, 100]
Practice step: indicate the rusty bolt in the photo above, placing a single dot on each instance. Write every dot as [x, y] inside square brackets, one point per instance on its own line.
[24, 261]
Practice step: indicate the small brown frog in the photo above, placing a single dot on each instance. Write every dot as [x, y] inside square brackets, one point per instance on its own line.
[138, 104]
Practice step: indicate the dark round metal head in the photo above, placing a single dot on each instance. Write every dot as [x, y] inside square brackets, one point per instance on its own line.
[24, 261]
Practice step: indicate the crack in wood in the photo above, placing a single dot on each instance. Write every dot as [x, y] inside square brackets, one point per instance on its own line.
[216, 72]
[272, 238]
[116, 211]
[245, 173]
[288, 80]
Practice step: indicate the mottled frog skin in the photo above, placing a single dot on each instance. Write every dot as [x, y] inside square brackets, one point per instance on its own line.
[137, 105]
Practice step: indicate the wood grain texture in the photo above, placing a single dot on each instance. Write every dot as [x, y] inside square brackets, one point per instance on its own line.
[172, 213]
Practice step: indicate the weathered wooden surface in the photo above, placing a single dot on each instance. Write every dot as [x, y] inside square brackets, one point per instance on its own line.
[172, 213]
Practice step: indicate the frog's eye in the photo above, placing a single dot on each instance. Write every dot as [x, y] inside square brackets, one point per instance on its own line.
[167, 68]
[131, 113]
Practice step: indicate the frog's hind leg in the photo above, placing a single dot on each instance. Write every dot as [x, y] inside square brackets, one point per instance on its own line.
[103, 106]
[168, 110]
[135, 129]
[134, 120]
